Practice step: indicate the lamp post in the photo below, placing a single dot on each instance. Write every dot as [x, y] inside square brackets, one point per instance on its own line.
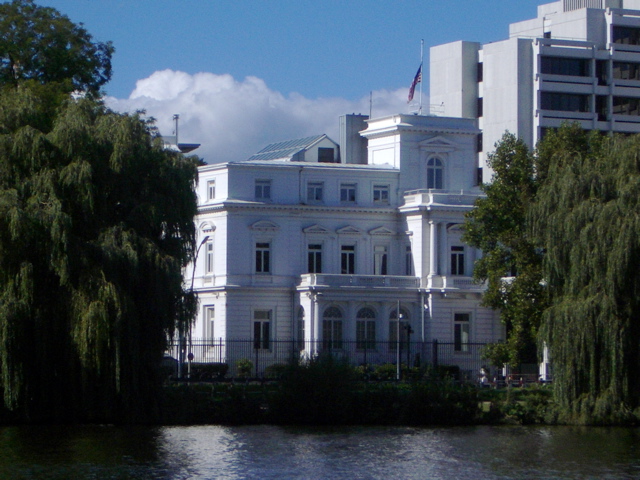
[190, 356]
[398, 318]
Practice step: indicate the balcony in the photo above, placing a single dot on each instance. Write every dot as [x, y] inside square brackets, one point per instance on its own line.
[454, 282]
[439, 197]
[357, 281]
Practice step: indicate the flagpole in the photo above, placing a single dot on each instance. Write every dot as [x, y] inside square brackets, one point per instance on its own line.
[421, 72]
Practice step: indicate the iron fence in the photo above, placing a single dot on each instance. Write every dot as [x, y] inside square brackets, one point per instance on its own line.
[264, 355]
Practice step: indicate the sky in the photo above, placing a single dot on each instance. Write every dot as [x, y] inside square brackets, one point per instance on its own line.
[245, 73]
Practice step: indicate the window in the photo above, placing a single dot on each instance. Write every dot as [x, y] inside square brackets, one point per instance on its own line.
[601, 71]
[261, 329]
[366, 329]
[263, 190]
[348, 193]
[577, 67]
[405, 330]
[380, 255]
[314, 255]
[434, 173]
[626, 106]
[263, 260]
[211, 189]
[209, 257]
[457, 260]
[332, 328]
[348, 259]
[479, 72]
[564, 102]
[325, 155]
[209, 318]
[408, 261]
[479, 145]
[314, 192]
[461, 330]
[626, 71]
[381, 194]
[626, 35]
[602, 107]
[479, 107]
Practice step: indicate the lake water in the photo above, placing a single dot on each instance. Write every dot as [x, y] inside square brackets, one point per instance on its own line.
[264, 452]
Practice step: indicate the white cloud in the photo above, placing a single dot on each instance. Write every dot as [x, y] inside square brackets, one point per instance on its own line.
[233, 120]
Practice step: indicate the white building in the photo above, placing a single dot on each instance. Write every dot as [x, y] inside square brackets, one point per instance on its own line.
[303, 249]
[578, 61]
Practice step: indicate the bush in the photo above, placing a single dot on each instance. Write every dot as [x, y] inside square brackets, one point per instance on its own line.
[386, 371]
[245, 367]
[209, 371]
[318, 392]
[276, 370]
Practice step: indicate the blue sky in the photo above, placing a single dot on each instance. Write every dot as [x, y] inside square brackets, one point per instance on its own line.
[245, 73]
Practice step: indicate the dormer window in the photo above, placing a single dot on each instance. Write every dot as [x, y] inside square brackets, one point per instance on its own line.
[435, 173]
[325, 155]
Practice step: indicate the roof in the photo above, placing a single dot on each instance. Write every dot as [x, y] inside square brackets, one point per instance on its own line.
[286, 149]
[286, 163]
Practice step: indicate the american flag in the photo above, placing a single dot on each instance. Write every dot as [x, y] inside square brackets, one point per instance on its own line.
[416, 80]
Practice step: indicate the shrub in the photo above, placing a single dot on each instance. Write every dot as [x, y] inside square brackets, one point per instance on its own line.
[245, 367]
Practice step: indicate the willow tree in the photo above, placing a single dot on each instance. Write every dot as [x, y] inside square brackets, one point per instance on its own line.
[96, 224]
[587, 215]
[511, 264]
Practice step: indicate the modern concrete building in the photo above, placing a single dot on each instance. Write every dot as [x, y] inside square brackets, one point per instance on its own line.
[578, 61]
[315, 246]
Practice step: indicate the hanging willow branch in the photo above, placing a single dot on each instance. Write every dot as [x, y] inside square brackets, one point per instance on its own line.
[96, 224]
[587, 216]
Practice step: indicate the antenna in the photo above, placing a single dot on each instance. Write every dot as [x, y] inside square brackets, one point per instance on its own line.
[176, 117]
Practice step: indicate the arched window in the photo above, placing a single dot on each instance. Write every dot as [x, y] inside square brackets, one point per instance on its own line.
[405, 329]
[366, 329]
[332, 329]
[435, 173]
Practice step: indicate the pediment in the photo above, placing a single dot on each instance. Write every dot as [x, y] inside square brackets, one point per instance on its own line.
[349, 230]
[316, 229]
[381, 231]
[438, 144]
[264, 226]
[207, 227]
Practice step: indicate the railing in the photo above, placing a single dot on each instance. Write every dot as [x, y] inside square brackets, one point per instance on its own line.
[426, 196]
[321, 279]
[467, 356]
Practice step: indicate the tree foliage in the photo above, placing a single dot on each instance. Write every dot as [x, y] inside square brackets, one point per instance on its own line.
[586, 214]
[40, 44]
[511, 264]
[96, 224]
[564, 222]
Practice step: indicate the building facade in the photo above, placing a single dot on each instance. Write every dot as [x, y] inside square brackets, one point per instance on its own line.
[323, 246]
[578, 61]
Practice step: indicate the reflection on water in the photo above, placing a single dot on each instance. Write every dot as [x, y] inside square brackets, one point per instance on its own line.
[319, 453]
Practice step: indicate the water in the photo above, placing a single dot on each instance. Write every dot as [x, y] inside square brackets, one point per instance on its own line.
[265, 452]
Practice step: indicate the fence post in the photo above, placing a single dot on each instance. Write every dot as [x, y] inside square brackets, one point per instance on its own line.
[434, 353]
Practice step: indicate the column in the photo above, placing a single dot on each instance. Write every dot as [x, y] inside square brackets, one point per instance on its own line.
[444, 253]
[433, 248]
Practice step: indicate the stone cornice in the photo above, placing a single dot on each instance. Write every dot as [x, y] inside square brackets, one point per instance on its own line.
[224, 206]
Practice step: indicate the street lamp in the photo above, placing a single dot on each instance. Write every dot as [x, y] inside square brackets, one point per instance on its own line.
[190, 356]
[398, 317]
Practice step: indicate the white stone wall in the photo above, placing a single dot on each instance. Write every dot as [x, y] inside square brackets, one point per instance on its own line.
[234, 221]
